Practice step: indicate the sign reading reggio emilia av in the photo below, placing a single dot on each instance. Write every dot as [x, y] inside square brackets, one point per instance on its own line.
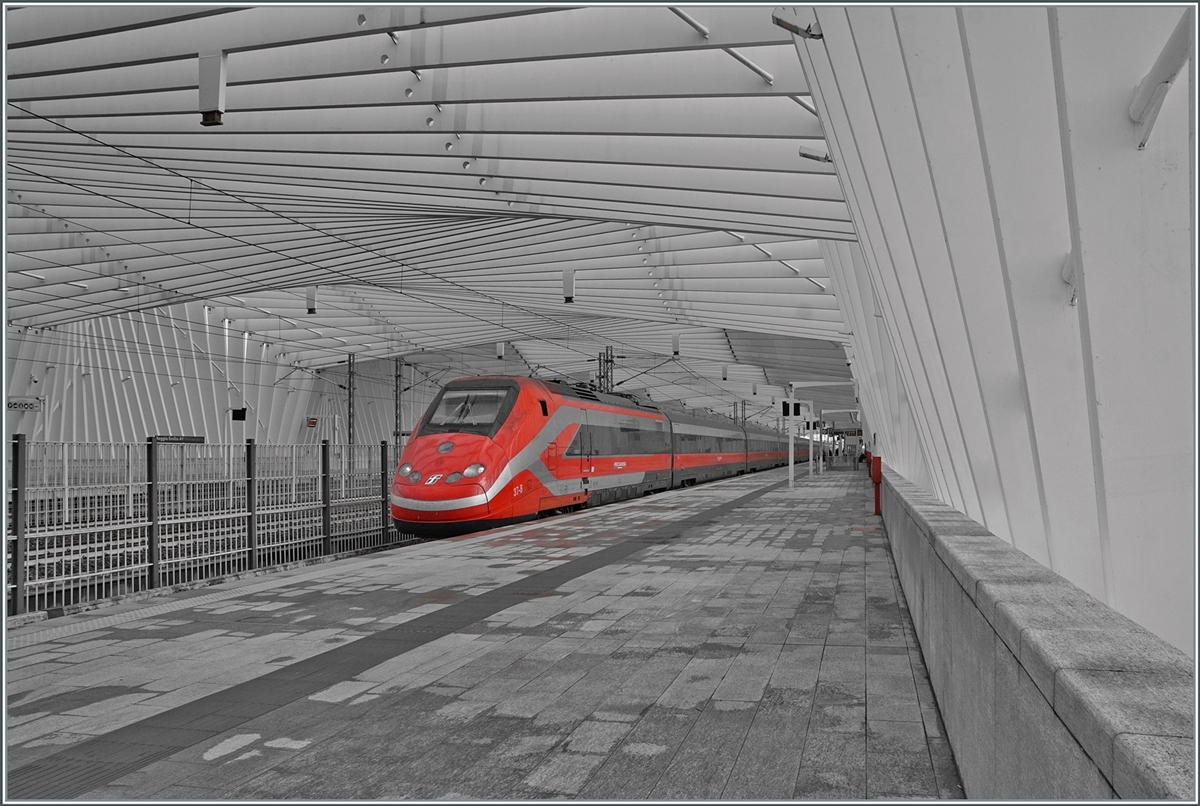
[25, 404]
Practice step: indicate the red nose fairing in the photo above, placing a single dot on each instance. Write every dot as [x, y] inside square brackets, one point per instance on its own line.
[437, 497]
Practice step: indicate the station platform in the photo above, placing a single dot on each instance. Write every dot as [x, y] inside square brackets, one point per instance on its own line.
[737, 640]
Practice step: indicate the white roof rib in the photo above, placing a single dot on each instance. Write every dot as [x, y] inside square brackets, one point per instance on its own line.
[434, 171]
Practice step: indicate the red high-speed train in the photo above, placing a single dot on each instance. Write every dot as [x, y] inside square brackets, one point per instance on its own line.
[496, 450]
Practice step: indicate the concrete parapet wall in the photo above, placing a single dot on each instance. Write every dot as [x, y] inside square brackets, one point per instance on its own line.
[1045, 691]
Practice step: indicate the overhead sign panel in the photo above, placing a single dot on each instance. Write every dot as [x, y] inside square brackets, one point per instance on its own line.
[25, 404]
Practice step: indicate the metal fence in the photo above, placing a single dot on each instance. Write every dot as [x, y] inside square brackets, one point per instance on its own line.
[91, 521]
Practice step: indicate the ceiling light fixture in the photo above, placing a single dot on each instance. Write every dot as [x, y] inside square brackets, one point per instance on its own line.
[568, 285]
[810, 31]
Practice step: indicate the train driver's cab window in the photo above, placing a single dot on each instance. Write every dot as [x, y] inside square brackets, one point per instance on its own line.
[479, 411]
[468, 407]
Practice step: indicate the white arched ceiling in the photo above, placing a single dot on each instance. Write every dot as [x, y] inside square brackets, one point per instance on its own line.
[434, 172]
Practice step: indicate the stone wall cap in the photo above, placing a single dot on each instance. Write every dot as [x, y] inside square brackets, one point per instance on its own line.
[1044, 652]
[1125, 694]
[1098, 706]
[1154, 767]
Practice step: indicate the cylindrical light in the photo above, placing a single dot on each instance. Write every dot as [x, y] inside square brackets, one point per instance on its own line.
[568, 285]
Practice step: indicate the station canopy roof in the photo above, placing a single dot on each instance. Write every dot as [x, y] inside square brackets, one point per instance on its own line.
[428, 178]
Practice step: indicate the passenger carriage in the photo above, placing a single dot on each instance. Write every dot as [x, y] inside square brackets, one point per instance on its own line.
[496, 450]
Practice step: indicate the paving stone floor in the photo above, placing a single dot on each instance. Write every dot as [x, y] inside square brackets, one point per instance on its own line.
[759, 651]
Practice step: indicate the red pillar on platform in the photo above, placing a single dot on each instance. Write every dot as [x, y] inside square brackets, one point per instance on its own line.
[876, 465]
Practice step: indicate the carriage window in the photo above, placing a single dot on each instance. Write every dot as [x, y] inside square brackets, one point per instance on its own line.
[577, 447]
[645, 438]
[706, 443]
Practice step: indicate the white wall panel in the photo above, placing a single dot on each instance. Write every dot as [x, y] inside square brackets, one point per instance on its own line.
[977, 147]
[1032, 239]
[1132, 228]
[866, 153]
[962, 263]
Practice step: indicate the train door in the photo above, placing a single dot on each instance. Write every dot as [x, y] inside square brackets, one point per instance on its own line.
[595, 445]
[564, 458]
[565, 455]
[672, 441]
[584, 440]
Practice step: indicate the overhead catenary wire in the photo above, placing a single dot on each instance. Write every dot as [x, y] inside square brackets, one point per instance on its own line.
[198, 353]
[609, 338]
[355, 280]
[192, 183]
[352, 278]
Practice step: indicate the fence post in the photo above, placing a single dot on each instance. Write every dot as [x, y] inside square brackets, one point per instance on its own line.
[251, 505]
[18, 518]
[326, 513]
[152, 511]
[383, 485]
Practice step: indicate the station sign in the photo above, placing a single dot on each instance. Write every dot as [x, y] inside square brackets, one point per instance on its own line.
[169, 438]
[25, 404]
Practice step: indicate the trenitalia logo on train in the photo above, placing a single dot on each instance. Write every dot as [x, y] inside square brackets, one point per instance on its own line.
[496, 450]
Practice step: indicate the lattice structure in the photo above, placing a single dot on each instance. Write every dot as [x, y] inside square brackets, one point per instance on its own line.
[84, 522]
[105, 520]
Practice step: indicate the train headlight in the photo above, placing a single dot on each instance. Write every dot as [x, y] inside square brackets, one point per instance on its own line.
[414, 477]
[473, 470]
[404, 469]
[453, 477]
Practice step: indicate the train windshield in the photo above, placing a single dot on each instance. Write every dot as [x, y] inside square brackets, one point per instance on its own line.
[476, 411]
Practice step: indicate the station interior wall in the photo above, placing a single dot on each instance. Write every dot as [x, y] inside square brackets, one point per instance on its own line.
[1021, 293]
